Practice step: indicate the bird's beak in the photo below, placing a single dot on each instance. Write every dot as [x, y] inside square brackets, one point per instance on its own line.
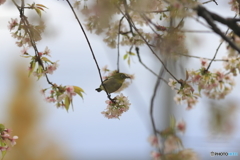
[128, 77]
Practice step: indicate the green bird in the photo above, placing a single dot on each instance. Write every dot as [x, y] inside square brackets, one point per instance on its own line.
[113, 83]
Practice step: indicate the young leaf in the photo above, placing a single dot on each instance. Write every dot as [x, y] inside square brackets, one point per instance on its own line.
[132, 54]
[2, 127]
[38, 12]
[167, 132]
[129, 61]
[125, 56]
[3, 154]
[67, 102]
[46, 59]
[32, 67]
[78, 90]
[41, 5]
[39, 71]
[172, 122]
[26, 56]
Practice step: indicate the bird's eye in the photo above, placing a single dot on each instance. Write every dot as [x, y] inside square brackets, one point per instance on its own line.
[122, 75]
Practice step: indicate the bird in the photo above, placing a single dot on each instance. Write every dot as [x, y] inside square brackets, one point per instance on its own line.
[113, 83]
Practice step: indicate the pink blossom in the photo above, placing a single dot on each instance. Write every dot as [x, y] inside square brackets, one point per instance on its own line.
[13, 23]
[181, 126]
[24, 50]
[155, 155]
[234, 6]
[61, 97]
[5, 135]
[19, 44]
[52, 68]
[47, 52]
[115, 110]
[42, 91]
[171, 144]
[4, 148]
[26, 40]
[204, 63]
[172, 83]
[178, 99]
[70, 91]
[13, 142]
[153, 140]
[50, 99]
[105, 69]
[2, 1]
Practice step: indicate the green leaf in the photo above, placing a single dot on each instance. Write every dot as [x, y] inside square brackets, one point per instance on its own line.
[78, 90]
[32, 67]
[129, 61]
[3, 154]
[46, 59]
[199, 89]
[167, 132]
[187, 75]
[39, 71]
[132, 54]
[26, 56]
[41, 5]
[67, 102]
[2, 127]
[125, 56]
[38, 12]
[172, 122]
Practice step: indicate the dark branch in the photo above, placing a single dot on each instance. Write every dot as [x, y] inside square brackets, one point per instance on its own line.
[90, 47]
[210, 17]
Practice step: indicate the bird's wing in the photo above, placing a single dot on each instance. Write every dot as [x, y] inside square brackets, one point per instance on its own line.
[112, 84]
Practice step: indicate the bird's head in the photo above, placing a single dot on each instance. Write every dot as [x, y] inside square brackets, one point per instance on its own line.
[121, 76]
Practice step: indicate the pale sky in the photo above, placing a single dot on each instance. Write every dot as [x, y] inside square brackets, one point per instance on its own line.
[90, 136]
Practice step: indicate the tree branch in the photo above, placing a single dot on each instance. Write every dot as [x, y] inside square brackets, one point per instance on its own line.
[90, 47]
[210, 17]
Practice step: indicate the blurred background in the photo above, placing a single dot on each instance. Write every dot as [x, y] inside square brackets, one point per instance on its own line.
[46, 132]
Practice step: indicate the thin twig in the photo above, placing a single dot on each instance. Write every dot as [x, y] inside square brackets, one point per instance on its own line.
[191, 56]
[136, 10]
[197, 19]
[144, 17]
[194, 31]
[144, 65]
[210, 1]
[152, 103]
[135, 28]
[210, 17]
[90, 47]
[118, 50]
[216, 52]
[30, 35]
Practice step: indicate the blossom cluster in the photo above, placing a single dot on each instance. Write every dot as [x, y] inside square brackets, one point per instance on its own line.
[62, 95]
[185, 154]
[232, 64]
[116, 107]
[6, 140]
[36, 65]
[23, 31]
[168, 145]
[234, 5]
[27, 35]
[185, 93]
[215, 84]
